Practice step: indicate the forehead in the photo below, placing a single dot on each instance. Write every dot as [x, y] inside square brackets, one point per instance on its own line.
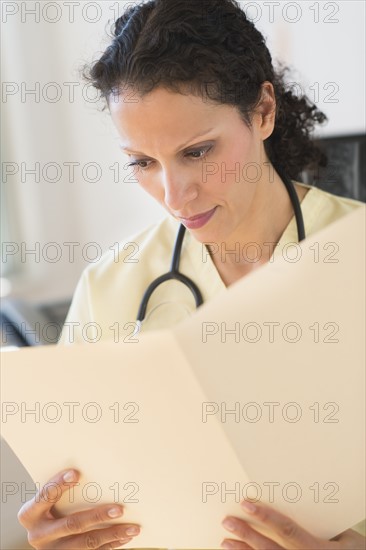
[165, 116]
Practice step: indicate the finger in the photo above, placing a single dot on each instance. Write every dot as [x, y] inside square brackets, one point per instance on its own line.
[350, 539]
[231, 543]
[116, 544]
[248, 535]
[79, 522]
[285, 531]
[98, 538]
[46, 497]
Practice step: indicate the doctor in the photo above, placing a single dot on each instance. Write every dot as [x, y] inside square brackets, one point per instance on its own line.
[210, 133]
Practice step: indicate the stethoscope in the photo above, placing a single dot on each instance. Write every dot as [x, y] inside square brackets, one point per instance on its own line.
[174, 274]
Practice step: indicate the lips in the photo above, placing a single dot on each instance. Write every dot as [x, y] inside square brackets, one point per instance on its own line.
[199, 220]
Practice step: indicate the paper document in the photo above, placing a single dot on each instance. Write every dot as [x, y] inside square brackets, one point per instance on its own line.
[259, 394]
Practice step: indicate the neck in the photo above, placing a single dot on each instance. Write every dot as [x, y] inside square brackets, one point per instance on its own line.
[270, 213]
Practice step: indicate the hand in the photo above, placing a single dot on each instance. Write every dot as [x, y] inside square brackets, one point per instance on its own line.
[47, 532]
[286, 532]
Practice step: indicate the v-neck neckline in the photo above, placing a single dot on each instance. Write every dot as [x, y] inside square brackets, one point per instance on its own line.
[203, 266]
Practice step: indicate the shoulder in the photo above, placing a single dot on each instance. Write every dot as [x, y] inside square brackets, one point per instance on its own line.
[322, 208]
[140, 249]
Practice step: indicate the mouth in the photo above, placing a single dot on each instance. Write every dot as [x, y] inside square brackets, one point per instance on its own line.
[199, 220]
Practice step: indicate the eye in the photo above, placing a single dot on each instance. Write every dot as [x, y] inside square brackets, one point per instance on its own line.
[138, 164]
[197, 154]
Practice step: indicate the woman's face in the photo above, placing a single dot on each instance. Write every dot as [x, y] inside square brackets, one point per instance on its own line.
[195, 157]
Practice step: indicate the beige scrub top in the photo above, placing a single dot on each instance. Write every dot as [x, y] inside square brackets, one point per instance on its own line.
[109, 292]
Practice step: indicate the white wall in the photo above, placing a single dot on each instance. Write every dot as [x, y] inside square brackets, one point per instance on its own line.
[326, 48]
[67, 131]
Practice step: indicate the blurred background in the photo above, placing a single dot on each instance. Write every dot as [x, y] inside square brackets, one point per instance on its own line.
[64, 200]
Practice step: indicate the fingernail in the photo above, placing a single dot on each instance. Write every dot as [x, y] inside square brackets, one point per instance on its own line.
[70, 476]
[229, 524]
[248, 506]
[133, 530]
[115, 512]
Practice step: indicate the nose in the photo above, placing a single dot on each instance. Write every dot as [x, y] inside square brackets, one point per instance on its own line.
[179, 189]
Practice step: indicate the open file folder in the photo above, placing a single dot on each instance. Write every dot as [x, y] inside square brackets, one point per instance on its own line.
[259, 394]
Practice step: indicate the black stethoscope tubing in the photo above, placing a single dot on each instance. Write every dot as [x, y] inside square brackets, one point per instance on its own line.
[174, 274]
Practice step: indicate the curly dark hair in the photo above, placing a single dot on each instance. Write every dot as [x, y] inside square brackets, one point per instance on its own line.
[208, 48]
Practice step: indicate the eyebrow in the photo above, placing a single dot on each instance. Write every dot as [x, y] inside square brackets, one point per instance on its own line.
[125, 147]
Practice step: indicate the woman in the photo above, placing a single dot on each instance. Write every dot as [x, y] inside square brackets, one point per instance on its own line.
[210, 132]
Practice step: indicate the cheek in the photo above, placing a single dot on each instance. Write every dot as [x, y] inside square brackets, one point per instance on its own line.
[231, 171]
